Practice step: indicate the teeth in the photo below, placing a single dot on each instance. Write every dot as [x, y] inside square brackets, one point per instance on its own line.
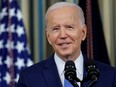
[64, 44]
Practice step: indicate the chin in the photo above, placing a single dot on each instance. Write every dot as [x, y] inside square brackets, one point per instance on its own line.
[66, 55]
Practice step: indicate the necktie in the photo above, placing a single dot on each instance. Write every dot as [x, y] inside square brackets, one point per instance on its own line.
[67, 83]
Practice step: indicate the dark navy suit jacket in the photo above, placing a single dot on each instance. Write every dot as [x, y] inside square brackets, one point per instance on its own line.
[45, 74]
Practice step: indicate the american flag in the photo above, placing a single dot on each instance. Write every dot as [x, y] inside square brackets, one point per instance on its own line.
[14, 49]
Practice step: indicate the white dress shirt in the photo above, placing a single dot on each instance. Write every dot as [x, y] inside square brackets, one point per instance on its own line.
[61, 65]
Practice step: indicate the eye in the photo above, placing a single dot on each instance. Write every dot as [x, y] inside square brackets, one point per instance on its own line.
[69, 27]
[56, 28]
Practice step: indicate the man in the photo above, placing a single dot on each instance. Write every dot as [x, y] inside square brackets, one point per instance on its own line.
[65, 31]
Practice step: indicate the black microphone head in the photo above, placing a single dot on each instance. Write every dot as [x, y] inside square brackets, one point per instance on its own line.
[92, 71]
[70, 70]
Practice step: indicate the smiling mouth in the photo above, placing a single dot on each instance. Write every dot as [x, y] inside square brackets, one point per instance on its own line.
[64, 45]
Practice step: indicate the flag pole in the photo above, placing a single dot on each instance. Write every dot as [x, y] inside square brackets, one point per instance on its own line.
[11, 70]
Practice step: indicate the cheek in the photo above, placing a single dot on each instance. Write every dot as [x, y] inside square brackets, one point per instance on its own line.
[52, 38]
[77, 38]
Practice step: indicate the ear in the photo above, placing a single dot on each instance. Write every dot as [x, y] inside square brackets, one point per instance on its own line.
[48, 36]
[84, 32]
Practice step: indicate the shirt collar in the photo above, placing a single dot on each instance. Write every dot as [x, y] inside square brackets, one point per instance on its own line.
[79, 63]
[61, 64]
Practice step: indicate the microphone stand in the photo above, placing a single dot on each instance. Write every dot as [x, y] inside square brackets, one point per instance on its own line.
[92, 83]
[74, 82]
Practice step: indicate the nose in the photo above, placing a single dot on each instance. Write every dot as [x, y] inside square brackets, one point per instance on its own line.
[63, 34]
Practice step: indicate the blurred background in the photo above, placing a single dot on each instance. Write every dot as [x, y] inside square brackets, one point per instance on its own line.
[33, 12]
[23, 40]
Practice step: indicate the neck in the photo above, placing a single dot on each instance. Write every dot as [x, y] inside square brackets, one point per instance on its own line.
[70, 57]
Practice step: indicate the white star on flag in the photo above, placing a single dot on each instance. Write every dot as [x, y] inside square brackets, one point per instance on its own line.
[17, 77]
[1, 44]
[20, 30]
[3, 13]
[20, 63]
[9, 45]
[12, 12]
[20, 46]
[29, 62]
[7, 78]
[2, 28]
[19, 15]
[8, 61]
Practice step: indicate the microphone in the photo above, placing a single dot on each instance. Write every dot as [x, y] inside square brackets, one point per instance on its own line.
[70, 73]
[92, 73]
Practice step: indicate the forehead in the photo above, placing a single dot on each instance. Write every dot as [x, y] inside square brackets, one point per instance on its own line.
[66, 13]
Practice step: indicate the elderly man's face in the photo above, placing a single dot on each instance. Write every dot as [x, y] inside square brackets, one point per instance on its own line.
[64, 32]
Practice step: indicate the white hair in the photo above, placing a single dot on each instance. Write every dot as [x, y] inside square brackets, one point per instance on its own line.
[66, 4]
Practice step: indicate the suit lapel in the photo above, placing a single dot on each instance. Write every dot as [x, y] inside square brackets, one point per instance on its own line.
[51, 74]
